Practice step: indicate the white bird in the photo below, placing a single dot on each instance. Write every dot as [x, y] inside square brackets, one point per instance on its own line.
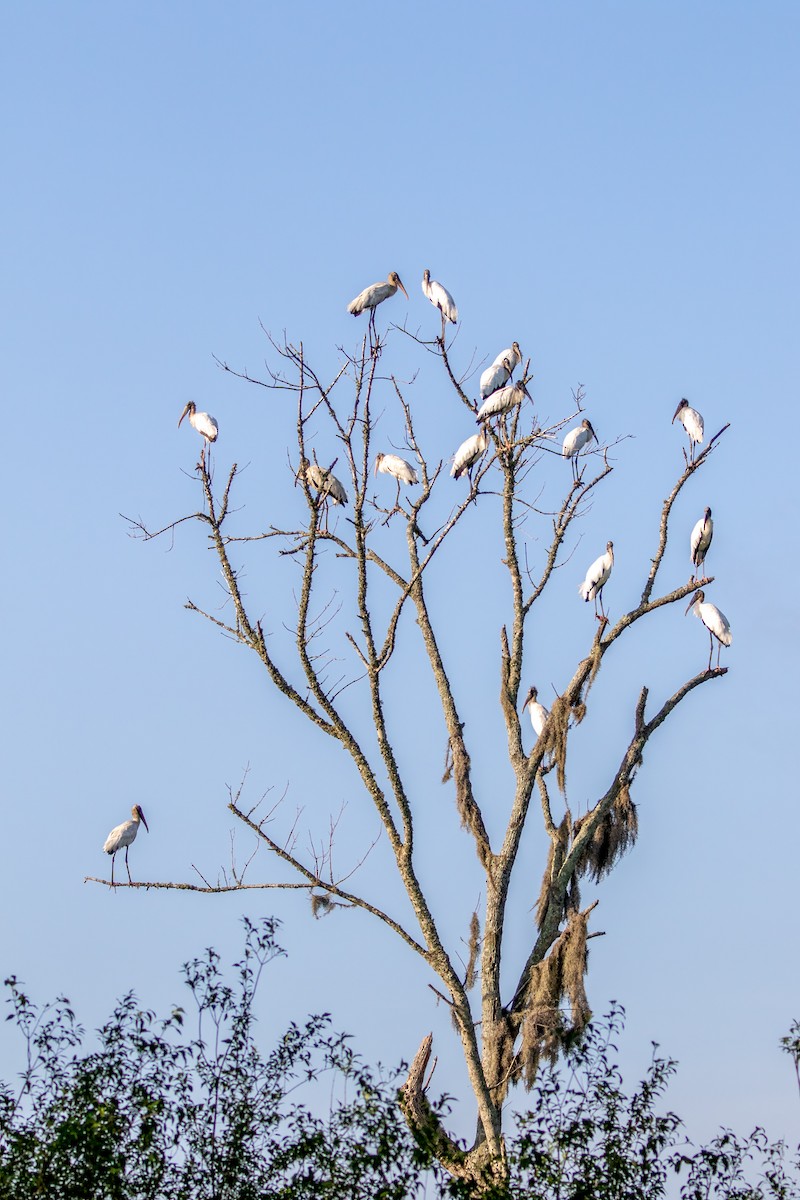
[468, 454]
[440, 298]
[398, 468]
[205, 425]
[375, 294]
[597, 578]
[716, 623]
[538, 713]
[692, 422]
[503, 400]
[700, 540]
[513, 354]
[494, 377]
[574, 442]
[123, 835]
[324, 482]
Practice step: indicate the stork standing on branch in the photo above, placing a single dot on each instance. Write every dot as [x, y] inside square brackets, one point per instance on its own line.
[123, 835]
[494, 377]
[204, 423]
[692, 422]
[700, 541]
[597, 578]
[716, 623]
[374, 295]
[574, 442]
[329, 489]
[440, 298]
[398, 468]
[502, 401]
[468, 453]
[537, 712]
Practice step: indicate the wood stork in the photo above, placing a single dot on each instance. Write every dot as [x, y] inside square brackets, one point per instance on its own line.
[203, 422]
[597, 578]
[468, 454]
[398, 468]
[123, 835]
[494, 377]
[692, 422]
[574, 442]
[538, 713]
[716, 623]
[374, 295]
[324, 483]
[440, 298]
[513, 354]
[700, 540]
[502, 401]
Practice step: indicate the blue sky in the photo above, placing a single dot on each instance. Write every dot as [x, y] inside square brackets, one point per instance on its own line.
[616, 186]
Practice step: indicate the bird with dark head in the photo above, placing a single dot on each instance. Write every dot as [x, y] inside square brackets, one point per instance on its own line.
[123, 835]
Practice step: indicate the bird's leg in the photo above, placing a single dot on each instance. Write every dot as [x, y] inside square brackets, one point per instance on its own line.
[113, 856]
[710, 649]
[127, 868]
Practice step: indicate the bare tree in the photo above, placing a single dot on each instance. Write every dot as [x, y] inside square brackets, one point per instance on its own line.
[504, 1034]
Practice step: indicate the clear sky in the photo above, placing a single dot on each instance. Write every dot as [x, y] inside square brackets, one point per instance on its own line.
[615, 186]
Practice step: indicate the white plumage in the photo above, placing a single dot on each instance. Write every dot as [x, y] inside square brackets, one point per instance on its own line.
[324, 482]
[494, 377]
[503, 400]
[716, 623]
[375, 294]
[700, 540]
[691, 421]
[123, 835]
[468, 454]
[537, 712]
[392, 464]
[575, 440]
[597, 577]
[513, 354]
[203, 422]
[440, 298]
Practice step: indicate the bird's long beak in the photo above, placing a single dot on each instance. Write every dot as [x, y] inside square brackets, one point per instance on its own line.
[144, 820]
[592, 432]
[402, 289]
[375, 468]
[691, 603]
[183, 414]
[677, 410]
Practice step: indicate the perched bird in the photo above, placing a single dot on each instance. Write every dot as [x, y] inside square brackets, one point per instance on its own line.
[375, 294]
[597, 578]
[323, 481]
[123, 835]
[440, 298]
[494, 377]
[574, 442]
[468, 454]
[716, 623]
[402, 471]
[700, 540]
[513, 354]
[205, 425]
[692, 422]
[538, 713]
[503, 400]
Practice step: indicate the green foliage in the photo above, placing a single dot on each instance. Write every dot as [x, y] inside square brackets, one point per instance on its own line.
[156, 1110]
[585, 1138]
[190, 1108]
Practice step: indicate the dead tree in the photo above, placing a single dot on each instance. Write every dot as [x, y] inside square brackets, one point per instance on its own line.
[503, 1035]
